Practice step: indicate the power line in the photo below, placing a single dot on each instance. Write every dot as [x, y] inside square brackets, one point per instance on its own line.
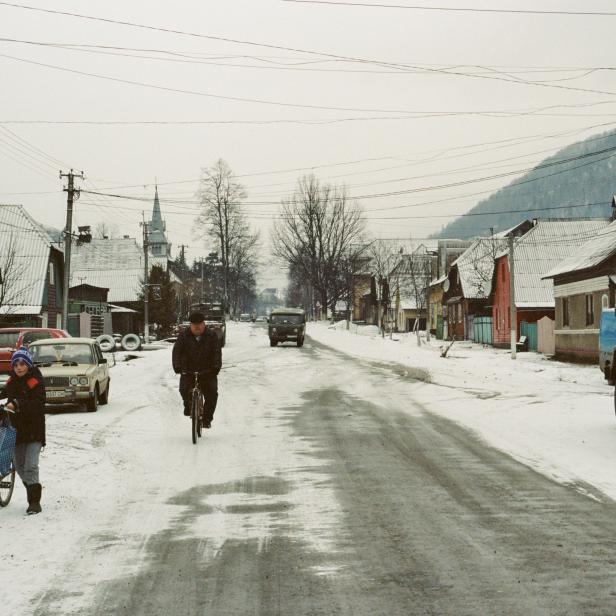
[456, 9]
[292, 49]
[114, 50]
[240, 99]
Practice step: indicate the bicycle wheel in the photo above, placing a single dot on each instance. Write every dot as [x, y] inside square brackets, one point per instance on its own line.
[200, 417]
[7, 483]
[194, 416]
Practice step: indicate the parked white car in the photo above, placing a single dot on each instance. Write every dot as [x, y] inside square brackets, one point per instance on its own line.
[74, 370]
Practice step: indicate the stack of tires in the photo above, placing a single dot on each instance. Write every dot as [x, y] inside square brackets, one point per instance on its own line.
[129, 342]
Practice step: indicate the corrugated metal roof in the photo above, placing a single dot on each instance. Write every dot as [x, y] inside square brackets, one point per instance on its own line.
[23, 242]
[590, 254]
[116, 264]
[546, 245]
[476, 266]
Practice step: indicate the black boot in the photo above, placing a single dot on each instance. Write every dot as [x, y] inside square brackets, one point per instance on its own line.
[34, 498]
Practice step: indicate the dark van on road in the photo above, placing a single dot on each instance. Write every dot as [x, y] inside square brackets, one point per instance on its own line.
[287, 324]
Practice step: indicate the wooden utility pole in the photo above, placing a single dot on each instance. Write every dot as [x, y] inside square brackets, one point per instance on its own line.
[146, 285]
[513, 317]
[72, 194]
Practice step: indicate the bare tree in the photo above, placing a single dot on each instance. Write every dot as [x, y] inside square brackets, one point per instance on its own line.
[411, 280]
[315, 232]
[221, 197]
[106, 231]
[385, 258]
[482, 257]
[14, 283]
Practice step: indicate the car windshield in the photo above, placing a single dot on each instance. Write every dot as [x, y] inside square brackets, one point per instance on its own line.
[32, 336]
[62, 353]
[291, 319]
[9, 339]
[214, 318]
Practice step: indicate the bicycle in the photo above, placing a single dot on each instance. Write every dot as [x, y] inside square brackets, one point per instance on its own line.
[196, 408]
[7, 482]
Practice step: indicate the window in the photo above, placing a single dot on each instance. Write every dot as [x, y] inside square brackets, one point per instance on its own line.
[590, 310]
[605, 302]
[52, 278]
[565, 305]
[58, 321]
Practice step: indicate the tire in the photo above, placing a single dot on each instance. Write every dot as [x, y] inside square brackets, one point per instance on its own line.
[107, 343]
[273, 343]
[300, 342]
[131, 342]
[105, 397]
[194, 419]
[223, 341]
[92, 403]
[7, 484]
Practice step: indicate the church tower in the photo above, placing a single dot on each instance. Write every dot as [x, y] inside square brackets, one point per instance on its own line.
[159, 246]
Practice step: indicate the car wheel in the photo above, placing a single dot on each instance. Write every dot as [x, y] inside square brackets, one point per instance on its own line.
[92, 403]
[273, 343]
[224, 340]
[131, 342]
[105, 397]
[300, 342]
[107, 343]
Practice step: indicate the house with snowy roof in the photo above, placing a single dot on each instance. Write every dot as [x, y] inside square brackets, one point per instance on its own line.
[408, 285]
[31, 271]
[536, 253]
[467, 288]
[118, 264]
[584, 285]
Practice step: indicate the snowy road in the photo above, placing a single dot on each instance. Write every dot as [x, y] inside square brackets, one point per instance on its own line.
[324, 487]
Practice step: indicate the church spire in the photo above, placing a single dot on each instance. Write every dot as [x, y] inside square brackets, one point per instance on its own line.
[157, 219]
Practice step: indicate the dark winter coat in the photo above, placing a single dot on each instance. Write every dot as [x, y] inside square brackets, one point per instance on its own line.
[28, 394]
[192, 355]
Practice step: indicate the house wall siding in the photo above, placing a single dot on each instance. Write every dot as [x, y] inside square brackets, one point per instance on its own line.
[501, 335]
[579, 341]
[501, 329]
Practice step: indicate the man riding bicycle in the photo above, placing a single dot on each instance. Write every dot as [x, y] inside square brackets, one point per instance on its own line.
[197, 349]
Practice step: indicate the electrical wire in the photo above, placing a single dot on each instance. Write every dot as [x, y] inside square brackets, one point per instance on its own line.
[395, 65]
[457, 9]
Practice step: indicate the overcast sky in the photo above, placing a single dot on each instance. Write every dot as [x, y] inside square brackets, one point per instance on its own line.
[389, 127]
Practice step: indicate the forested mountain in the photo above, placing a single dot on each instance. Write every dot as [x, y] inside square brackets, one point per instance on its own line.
[586, 183]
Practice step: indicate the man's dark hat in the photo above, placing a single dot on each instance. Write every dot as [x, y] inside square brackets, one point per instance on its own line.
[196, 317]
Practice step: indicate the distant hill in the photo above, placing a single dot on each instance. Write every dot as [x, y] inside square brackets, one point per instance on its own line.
[589, 180]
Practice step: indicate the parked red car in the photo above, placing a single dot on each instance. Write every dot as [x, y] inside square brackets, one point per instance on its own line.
[12, 338]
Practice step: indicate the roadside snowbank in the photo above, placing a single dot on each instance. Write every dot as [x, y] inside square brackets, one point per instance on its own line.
[556, 417]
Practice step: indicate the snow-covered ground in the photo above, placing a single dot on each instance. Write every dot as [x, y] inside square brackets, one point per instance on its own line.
[109, 478]
[554, 416]
[117, 480]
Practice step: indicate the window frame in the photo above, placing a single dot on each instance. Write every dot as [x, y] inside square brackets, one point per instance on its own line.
[590, 309]
[565, 310]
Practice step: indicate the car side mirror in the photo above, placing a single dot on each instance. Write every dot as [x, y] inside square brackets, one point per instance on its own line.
[103, 360]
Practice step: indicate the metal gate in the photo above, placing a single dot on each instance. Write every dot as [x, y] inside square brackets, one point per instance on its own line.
[482, 329]
[530, 331]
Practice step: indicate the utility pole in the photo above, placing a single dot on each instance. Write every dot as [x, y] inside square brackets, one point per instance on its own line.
[513, 317]
[146, 285]
[72, 194]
